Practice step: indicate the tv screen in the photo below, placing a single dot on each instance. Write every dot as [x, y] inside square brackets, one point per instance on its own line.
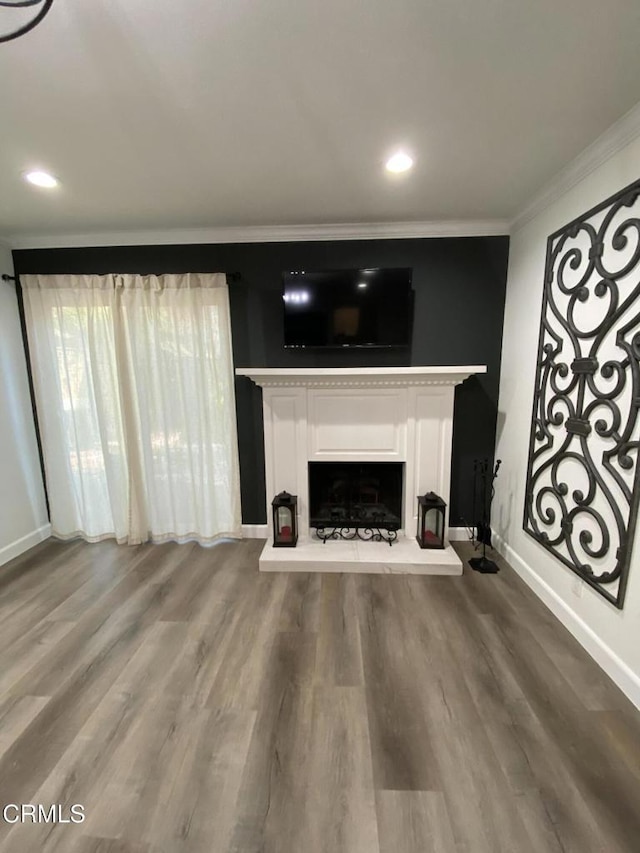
[348, 308]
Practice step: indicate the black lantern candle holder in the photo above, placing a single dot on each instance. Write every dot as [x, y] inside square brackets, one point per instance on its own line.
[285, 520]
[431, 515]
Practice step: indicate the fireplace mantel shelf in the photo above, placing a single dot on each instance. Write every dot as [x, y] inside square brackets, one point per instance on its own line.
[358, 377]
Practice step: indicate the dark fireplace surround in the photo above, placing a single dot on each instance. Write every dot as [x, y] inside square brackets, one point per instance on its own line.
[356, 495]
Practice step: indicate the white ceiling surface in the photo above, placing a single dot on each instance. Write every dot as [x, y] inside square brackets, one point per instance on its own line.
[201, 113]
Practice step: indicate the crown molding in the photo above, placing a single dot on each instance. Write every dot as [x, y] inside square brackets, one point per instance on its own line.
[269, 234]
[614, 139]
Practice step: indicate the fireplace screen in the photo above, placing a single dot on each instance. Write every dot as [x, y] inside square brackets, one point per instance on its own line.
[357, 495]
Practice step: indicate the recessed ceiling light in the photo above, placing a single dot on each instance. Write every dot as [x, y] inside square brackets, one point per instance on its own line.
[41, 179]
[399, 162]
[362, 285]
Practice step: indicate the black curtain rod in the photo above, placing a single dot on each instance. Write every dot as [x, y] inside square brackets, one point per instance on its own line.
[232, 276]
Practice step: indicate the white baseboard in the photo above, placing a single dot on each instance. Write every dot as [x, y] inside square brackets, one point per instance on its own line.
[627, 680]
[255, 531]
[459, 534]
[261, 531]
[14, 549]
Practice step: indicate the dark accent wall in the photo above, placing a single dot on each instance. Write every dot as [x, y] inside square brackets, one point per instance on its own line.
[459, 305]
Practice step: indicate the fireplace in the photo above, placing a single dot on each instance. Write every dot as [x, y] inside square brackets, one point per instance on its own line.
[355, 496]
[352, 443]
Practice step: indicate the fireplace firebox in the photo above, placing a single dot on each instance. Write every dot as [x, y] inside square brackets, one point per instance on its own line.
[356, 499]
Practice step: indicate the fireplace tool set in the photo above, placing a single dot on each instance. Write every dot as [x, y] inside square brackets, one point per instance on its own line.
[483, 491]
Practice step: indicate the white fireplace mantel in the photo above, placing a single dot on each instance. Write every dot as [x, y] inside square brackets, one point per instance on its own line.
[357, 377]
[361, 414]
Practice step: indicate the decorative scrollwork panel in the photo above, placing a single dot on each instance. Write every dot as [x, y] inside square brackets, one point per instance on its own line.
[583, 483]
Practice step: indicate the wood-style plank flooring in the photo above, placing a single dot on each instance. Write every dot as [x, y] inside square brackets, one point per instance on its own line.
[190, 703]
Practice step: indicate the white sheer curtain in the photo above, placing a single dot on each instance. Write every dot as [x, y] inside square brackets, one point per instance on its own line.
[134, 387]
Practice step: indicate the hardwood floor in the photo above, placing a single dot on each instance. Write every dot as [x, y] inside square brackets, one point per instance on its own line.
[190, 703]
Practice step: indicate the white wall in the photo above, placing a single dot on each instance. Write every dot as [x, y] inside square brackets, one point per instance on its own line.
[23, 515]
[610, 635]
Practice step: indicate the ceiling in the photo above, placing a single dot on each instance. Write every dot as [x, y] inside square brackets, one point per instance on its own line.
[201, 113]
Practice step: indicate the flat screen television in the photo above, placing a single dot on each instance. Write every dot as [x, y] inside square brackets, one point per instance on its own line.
[348, 308]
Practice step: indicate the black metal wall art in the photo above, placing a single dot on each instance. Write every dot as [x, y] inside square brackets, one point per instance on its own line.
[583, 483]
[41, 8]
